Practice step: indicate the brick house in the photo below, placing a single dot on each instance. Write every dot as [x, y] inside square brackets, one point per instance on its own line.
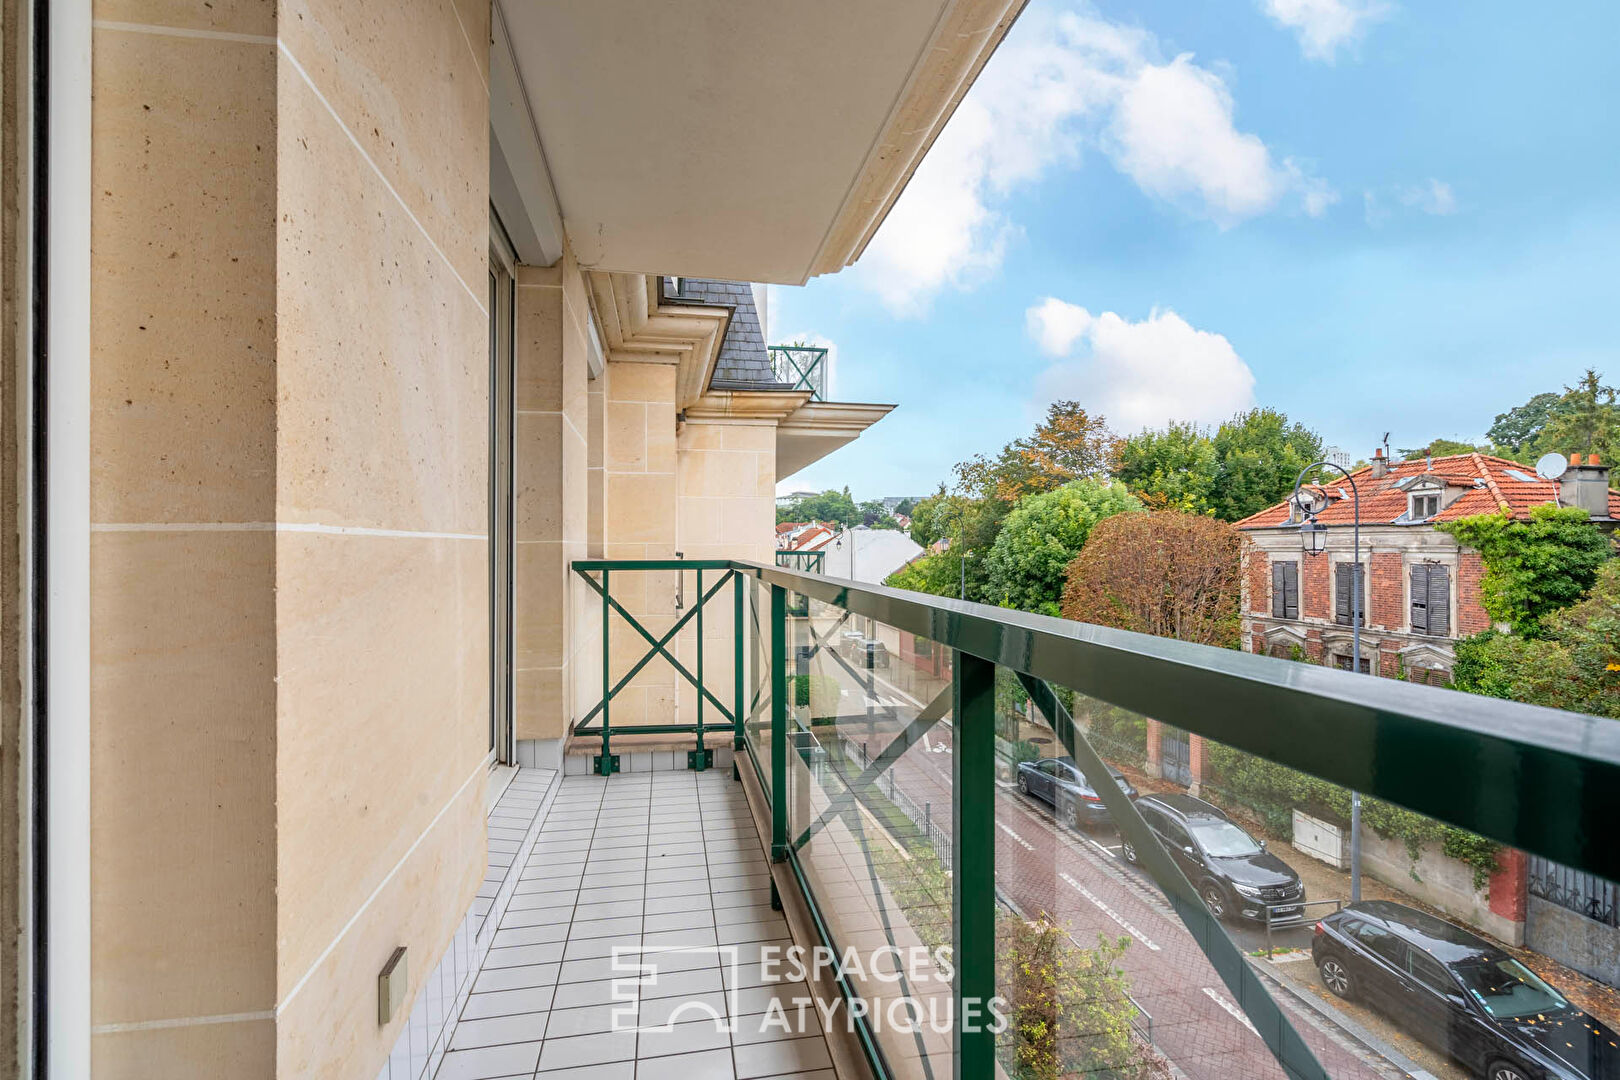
[1421, 594]
[1421, 589]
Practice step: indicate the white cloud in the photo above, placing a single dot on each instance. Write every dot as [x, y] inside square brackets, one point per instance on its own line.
[1138, 374]
[1324, 26]
[1059, 86]
[1433, 197]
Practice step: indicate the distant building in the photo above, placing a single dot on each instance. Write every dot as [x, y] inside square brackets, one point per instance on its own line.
[868, 555]
[1337, 455]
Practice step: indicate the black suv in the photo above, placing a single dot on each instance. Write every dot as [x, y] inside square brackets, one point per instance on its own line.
[1460, 994]
[1231, 870]
[1060, 782]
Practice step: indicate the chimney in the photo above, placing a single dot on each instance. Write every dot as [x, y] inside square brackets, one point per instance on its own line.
[1585, 484]
[1380, 465]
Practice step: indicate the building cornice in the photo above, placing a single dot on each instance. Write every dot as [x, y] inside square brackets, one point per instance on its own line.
[773, 405]
[638, 326]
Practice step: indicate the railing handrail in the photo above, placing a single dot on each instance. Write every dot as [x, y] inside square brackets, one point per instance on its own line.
[1538, 779]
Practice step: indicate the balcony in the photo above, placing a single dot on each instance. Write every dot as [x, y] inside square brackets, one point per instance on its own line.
[801, 367]
[876, 794]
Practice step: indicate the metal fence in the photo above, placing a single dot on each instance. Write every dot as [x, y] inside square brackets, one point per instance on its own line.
[921, 816]
[1582, 893]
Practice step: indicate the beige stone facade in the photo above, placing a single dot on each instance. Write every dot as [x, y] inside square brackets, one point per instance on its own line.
[294, 441]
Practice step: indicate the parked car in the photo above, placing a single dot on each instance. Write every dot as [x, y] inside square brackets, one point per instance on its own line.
[1060, 782]
[1461, 995]
[849, 643]
[1232, 871]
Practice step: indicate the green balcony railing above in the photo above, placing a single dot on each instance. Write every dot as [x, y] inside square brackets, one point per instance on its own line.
[803, 367]
[1539, 780]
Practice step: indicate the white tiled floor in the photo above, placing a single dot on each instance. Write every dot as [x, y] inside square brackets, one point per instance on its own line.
[664, 860]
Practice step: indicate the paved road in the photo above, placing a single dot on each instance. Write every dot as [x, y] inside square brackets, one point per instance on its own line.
[1078, 881]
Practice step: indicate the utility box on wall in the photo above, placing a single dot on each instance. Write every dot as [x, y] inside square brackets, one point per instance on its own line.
[1320, 840]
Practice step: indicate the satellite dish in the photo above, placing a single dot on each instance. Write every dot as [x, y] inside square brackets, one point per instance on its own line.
[1551, 466]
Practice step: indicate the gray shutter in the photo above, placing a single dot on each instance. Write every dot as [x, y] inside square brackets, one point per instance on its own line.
[1279, 590]
[1439, 601]
[1341, 594]
[1291, 585]
[1420, 598]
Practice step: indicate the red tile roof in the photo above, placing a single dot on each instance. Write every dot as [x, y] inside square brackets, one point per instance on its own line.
[1492, 485]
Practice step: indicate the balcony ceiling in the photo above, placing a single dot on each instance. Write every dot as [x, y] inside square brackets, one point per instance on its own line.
[757, 141]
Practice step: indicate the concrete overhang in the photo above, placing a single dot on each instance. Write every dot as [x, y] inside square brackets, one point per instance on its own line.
[818, 428]
[760, 141]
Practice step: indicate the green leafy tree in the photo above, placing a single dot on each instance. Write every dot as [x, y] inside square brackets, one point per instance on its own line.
[1173, 469]
[1574, 666]
[1533, 567]
[937, 575]
[1042, 535]
[933, 517]
[835, 506]
[1259, 453]
[1443, 448]
[1518, 430]
[875, 516]
[1587, 420]
[905, 507]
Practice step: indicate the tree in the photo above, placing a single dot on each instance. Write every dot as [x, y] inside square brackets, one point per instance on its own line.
[1165, 573]
[933, 516]
[1070, 444]
[1173, 469]
[835, 506]
[937, 575]
[1042, 535]
[1533, 567]
[905, 506]
[1259, 453]
[1575, 666]
[1068, 1009]
[874, 515]
[1520, 427]
[1443, 448]
[1587, 420]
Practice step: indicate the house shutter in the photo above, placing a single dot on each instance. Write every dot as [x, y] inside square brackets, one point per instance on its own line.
[1420, 598]
[1291, 590]
[1439, 601]
[1343, 577]
[1279, 591]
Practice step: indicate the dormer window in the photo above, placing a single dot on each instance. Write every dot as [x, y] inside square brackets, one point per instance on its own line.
[1425, 507]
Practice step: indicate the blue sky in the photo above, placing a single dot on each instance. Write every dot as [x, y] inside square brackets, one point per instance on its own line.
[1376, 216]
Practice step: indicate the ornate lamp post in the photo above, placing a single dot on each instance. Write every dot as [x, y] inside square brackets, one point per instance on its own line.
[1313, 541]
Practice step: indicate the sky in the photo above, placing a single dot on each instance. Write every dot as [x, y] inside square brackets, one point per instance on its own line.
[1373, 215]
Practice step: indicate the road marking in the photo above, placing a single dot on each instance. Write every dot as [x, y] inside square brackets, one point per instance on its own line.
[1221, 1000]
[1004, 828]
[1111, 913]
[1109, 851]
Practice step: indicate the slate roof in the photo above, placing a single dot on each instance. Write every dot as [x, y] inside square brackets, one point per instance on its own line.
[744, 363]
[1491, 485]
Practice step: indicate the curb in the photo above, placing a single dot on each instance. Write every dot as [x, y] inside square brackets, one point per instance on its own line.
[1366, 1040]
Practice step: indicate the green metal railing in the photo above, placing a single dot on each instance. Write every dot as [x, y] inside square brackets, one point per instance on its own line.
[1536, 779]
[801, 366]
[811, 562]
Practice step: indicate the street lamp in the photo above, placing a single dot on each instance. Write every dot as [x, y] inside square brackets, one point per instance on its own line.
[1313, 541]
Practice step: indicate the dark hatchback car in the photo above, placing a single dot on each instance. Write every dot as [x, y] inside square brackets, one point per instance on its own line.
[1460, 994]
[1232, 871]
[1060, 782]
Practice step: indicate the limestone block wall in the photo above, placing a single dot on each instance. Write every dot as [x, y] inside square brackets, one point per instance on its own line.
[550, 457]
[290, 550]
